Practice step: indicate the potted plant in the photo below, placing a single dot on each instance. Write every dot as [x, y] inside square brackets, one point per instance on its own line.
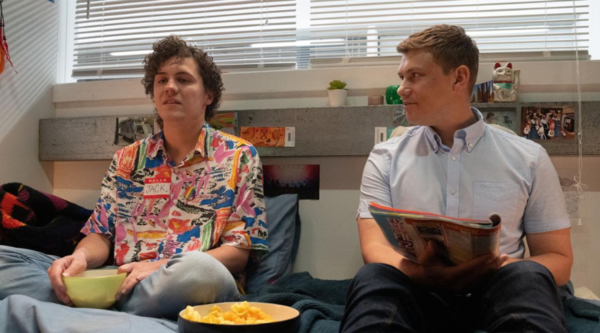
[337, 93]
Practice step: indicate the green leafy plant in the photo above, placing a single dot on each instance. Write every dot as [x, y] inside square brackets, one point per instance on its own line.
[337, 84]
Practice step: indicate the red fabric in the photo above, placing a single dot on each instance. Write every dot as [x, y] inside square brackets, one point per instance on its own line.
[1, 60]
[4, 47]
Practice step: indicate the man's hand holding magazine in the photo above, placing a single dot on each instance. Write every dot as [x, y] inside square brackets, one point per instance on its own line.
[442, 252]
[433, 271]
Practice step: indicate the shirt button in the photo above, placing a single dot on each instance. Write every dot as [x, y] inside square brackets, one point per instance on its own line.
[470, 145]
[453, 192]
[454, 158]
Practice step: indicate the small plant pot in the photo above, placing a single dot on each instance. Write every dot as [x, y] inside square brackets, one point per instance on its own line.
[337, 97]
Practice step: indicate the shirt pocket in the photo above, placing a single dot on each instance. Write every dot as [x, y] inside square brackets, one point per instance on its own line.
[494, 197]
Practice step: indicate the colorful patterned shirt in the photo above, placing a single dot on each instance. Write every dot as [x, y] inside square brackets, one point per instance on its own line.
[151, 208]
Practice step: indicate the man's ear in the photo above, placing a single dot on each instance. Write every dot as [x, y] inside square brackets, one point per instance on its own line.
[209, 98]
[461, 77]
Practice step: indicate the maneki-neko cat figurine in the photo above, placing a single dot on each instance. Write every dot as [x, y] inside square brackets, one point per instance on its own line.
[506, 82]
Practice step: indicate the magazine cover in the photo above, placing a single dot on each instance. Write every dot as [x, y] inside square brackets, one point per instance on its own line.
[460, 239]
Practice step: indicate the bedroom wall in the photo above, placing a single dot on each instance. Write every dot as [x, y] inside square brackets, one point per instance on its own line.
[31, 28]
[329, 246]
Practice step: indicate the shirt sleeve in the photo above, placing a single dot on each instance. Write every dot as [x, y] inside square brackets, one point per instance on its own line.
[102, 220]
[375, 186]
[247, 225]
[546, 208]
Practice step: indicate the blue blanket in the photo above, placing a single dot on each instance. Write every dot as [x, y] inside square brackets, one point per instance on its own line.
[320, 302]
[22, 314]
[582, 316]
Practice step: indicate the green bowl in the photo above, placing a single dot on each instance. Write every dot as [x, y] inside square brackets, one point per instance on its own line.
[94, 288]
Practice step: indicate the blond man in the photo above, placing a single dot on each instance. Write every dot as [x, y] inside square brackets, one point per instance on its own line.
[452, 163]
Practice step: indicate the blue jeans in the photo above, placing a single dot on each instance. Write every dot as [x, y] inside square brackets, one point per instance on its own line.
[190, 278]
[519, 297]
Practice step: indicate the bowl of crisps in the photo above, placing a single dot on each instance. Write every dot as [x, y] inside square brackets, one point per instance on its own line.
[95, 288]
[247, 317]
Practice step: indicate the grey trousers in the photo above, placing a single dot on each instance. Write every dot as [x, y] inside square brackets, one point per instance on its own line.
[190, 278]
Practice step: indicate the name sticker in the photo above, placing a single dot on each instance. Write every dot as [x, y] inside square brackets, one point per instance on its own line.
[159, 187]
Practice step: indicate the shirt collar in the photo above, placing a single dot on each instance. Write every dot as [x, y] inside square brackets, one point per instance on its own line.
[157, 142]
[475, 131]
[433, 138]
[470, 135]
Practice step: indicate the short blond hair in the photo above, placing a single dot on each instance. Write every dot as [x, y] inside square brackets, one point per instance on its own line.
[450, 46]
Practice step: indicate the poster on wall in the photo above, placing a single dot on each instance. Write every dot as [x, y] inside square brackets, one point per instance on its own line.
[224, 121]
[269, 136]
[129, 130]
[301, 179]
[548, 123]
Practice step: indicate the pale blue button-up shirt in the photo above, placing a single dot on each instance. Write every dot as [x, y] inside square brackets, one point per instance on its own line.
[486, 171]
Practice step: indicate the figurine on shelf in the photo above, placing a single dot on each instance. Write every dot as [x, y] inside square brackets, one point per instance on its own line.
[506, 83]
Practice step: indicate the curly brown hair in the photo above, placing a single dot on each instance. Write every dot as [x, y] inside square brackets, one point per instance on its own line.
[450, 46]
[174, 46]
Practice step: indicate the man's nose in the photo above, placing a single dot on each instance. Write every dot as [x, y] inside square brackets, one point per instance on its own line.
[403, 90]
[171, 87]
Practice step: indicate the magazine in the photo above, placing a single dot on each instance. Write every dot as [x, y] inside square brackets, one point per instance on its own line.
[460, 239]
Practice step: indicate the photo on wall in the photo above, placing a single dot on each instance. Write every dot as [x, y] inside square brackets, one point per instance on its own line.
[502, 117]
[399, 117]
[131, 129]
[548, 123]
[284, 179]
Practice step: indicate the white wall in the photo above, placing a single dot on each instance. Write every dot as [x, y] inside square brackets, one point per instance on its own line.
[329, 246]
[584, 237]
[32, 33]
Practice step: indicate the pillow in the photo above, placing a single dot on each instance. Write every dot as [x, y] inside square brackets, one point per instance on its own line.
[283, 224]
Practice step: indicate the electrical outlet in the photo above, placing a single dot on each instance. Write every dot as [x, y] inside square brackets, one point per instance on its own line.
[380, 134]
[290, 137]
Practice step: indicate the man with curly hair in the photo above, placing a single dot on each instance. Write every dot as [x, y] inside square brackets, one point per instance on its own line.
[180, 212]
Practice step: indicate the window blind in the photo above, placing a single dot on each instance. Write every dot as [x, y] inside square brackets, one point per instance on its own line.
[112, 37]
[364, 28]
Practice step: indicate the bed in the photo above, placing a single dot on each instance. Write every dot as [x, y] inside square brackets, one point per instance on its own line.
[320, 302]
